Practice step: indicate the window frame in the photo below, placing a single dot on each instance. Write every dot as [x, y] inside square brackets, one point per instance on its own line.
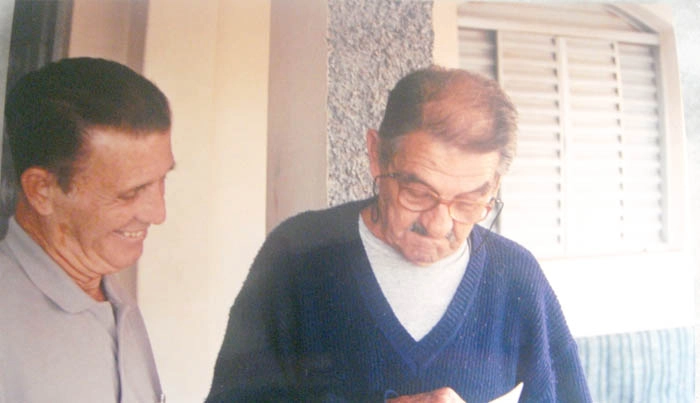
[672, 136]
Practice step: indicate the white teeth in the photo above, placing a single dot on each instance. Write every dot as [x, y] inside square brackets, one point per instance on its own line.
[134, 235]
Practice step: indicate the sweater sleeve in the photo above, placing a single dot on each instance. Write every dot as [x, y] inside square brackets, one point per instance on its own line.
[259, 359]
[251, 364]
[570, 381]
[553, 372]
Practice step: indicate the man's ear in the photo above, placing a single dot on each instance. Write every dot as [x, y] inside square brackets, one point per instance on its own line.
[373, 151]
[38, 184]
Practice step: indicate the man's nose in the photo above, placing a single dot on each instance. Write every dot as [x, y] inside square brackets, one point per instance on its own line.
[152, 208]
[437, 221]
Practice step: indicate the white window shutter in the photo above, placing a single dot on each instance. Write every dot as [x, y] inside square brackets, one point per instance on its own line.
[477, 51]
[532, 191]
[587, 177]
[594, 157]
[641, 117]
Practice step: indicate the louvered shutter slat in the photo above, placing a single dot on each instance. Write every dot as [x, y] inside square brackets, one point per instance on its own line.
[477, 52]
[587, 177]
[533, 188]
[643, 194]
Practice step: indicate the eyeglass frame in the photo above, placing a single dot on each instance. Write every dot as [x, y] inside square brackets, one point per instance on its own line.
[493, 204]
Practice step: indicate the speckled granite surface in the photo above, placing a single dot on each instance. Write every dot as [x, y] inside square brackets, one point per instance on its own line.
[371, 44]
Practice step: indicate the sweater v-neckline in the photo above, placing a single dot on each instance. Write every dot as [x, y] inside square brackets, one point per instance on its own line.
[418, 354]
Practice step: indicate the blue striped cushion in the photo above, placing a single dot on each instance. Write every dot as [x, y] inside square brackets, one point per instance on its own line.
[652, 366]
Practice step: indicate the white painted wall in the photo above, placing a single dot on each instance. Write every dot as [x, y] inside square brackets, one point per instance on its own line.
[211, 58]
[100, 29]
[297, 149]
[446, 39]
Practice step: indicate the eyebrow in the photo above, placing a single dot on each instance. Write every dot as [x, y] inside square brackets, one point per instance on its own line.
[479, 191]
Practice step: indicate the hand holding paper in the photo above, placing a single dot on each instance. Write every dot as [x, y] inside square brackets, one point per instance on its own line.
[511, 397]
[448, 395]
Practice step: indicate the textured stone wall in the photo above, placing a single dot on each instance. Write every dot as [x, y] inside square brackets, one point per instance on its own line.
[371, 44]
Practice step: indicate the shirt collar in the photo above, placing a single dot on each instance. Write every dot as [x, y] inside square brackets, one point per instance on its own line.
[47, 275]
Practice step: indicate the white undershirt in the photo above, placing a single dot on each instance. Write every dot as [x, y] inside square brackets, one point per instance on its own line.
[418, 295]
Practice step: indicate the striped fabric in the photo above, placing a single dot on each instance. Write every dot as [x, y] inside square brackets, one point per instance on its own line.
[652, 366]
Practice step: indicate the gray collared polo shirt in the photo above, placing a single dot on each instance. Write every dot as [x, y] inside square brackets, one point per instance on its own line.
[59, 345]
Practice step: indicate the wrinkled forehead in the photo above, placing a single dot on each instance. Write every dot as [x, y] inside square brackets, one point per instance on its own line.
[463, 141]
[431, 160]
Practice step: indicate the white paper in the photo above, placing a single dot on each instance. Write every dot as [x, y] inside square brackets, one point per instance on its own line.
[510, 397]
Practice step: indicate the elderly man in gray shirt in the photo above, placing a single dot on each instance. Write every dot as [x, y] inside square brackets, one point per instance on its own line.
[90, 143]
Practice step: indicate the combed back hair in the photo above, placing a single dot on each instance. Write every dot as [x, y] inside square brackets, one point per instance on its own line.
[457, 107]
[49, 112]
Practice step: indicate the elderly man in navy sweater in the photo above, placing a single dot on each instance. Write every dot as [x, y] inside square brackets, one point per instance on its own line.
[403, 297]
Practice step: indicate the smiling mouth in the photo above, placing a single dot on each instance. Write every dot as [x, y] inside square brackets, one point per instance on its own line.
[133, 235]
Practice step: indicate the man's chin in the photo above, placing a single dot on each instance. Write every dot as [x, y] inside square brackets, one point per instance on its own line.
[420, 258]
[423, 262]
[125, 260]
[423, 252]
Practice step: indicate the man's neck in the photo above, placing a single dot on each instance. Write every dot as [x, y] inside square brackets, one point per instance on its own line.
[372, 224]
[31, 223]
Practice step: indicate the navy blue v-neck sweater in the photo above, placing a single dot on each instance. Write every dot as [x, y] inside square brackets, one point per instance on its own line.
[311, 324]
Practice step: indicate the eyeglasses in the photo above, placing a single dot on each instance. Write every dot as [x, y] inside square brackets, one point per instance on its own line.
[419, 197]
